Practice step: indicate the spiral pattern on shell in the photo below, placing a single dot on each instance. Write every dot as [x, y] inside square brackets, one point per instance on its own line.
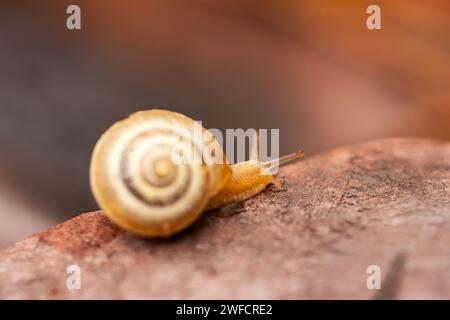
[140, 176]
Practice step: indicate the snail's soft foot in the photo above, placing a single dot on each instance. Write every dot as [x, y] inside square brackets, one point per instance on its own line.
[277, 185]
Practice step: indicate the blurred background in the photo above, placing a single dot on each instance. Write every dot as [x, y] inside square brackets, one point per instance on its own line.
[310, 68]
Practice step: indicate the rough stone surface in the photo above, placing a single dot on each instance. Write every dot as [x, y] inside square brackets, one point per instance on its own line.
[384, 203]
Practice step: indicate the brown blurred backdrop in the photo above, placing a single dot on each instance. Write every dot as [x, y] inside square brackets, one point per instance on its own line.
[310, 68]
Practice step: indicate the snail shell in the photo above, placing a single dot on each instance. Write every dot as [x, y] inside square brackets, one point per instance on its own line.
[136, 181]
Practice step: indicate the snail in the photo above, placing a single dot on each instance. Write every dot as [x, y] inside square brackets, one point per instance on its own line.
[138, 180]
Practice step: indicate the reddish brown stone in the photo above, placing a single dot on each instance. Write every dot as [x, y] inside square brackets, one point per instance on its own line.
[82, 235]
[384, 203]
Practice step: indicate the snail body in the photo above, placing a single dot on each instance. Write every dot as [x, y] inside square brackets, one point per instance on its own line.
[140, 185]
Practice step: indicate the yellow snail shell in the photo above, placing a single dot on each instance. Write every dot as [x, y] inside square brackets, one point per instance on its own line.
[137, 184]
